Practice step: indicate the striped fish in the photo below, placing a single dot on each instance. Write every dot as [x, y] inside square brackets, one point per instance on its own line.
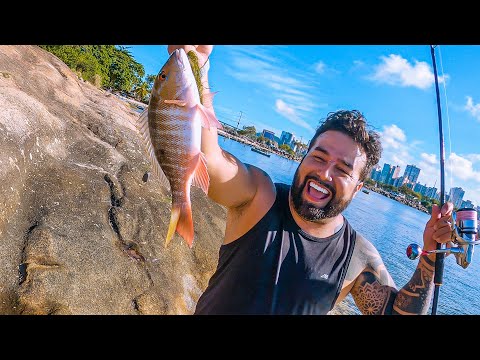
[171, 130]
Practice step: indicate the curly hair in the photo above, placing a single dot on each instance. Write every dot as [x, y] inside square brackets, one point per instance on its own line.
[353, 124]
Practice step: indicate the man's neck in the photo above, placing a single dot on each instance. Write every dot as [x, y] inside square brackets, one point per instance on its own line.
[326, 228]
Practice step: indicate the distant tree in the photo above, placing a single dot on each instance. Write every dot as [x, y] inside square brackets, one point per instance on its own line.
[142, 92]
[150, 79]
[262, 139]
[249, 131]
[111, 66]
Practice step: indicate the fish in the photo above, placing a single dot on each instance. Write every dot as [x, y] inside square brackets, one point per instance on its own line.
[170, 128]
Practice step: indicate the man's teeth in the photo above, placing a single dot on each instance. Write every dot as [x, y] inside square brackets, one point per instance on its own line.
[316, 187]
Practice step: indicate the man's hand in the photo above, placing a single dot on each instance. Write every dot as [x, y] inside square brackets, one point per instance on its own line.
[203, 51]
[439, 227]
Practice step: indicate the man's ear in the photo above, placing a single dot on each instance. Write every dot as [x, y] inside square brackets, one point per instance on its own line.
[358, 187]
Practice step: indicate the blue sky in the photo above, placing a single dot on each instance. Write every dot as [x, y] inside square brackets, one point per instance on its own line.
[292, 88]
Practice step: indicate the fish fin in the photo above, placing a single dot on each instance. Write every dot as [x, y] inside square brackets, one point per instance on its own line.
[208, 117]
[182, 221]
[200, 176]
[207, 99]
[174, 216]
[144, 131]
[175, 102]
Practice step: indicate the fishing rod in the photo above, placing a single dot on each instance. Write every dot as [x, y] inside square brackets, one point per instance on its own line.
[464, 224]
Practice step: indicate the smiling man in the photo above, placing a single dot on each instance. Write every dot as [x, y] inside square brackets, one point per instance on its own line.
[287, 248]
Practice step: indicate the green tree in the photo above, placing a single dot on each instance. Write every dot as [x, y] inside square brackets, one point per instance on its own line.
[108, 65]
[142, 92]
[150, 79]
[249, 131]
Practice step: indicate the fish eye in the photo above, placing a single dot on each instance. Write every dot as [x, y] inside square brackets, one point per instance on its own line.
[162, 75]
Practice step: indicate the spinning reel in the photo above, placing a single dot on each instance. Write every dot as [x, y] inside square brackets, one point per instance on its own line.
[464, 238]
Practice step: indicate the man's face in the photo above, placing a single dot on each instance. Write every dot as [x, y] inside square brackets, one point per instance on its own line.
[328, 177]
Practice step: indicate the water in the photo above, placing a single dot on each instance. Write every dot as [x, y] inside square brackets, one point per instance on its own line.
[391, 227]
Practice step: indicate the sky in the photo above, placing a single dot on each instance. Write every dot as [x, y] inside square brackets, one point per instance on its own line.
[293, 88]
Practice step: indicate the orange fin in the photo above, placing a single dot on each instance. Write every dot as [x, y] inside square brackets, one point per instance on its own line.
[144, 131]
[181, 220]
[209, 118]
[200, 176]
[175, 102]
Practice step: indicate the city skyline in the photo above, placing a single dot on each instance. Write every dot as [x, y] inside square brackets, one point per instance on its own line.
[390, 174]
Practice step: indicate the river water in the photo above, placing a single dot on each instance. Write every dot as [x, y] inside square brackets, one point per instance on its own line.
[391, 226]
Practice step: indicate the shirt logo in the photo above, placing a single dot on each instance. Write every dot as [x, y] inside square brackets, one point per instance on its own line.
[324, 276]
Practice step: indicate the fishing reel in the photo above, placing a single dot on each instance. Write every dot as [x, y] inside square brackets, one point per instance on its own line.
[464, 238]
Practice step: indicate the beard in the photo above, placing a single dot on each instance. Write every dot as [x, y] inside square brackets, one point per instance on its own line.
[311, 212]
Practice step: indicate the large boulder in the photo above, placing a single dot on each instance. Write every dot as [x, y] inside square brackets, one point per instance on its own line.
[82, 223]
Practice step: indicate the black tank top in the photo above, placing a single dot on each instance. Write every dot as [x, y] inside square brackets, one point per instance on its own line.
[276, 268]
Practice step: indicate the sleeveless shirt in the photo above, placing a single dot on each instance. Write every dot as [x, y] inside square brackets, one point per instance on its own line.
[276, 268]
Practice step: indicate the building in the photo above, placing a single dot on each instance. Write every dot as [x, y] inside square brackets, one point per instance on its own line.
[456, 196]
[385, 172]
[392, 175]
[287, 138]
[411, 173]
[268, 134]
[467, 204]
[376, 173]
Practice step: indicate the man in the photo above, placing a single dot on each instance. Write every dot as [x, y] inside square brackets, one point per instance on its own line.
[288, 249]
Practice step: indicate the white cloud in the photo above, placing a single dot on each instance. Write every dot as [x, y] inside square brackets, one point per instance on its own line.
[291, 89]
[462, 168]
[392, 137]
[395, 70]
[320, 67]
[473, 109]
[429, 158]
[473, 157]
[291, 114]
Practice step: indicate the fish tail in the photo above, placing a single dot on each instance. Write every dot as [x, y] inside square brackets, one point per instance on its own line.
[181, 220]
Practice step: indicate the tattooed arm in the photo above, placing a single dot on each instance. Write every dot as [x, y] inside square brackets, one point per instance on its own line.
[373, 288]
[415, 296]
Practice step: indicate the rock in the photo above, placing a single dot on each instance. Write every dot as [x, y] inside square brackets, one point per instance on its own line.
[82, 227]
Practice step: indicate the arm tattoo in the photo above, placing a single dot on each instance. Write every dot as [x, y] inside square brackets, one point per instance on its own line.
[414, 297]
[371, 296]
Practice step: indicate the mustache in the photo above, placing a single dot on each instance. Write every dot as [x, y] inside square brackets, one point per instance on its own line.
[317, 180]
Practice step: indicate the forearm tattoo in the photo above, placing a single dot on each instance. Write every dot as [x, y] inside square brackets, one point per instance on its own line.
[371, 296]
[414, 298]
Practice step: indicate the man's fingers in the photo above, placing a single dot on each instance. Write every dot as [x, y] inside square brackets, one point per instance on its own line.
[447, 208]
[435, 215]
[187, 48]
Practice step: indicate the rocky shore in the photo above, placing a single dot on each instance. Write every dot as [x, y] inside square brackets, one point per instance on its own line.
[82, 221]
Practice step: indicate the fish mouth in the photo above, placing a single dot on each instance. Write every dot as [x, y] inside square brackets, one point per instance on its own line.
[182, 59]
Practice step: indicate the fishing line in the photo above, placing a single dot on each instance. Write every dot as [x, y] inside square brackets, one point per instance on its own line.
[448, 119]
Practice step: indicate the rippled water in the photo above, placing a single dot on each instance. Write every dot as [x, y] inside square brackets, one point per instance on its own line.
[391, 227]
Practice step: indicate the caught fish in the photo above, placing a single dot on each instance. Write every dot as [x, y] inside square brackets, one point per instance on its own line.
[171, 130]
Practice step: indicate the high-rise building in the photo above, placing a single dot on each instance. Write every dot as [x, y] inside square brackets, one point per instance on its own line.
[376, 173]
[391, 175]
[287, 138]
[467, 204]
[385, 172]
[412, 173]
[456, 196]
[268, 134]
